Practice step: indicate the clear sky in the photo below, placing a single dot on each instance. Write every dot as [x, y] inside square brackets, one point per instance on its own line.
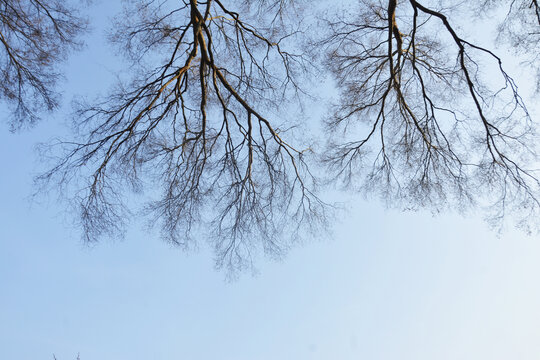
[389, 285]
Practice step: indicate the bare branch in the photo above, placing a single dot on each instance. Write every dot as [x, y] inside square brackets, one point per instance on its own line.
[195, 125]
[35, 36]
[443, 135]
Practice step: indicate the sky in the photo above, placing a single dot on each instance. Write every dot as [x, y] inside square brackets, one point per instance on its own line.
[387, 284]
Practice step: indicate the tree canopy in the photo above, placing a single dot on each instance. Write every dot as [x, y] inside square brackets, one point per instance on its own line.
[209, 122]
[35, 36]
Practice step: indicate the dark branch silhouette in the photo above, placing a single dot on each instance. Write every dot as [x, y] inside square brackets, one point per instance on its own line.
[426, 118]
[431, 119]
[196, 127]
[35, 36]
[521, 30]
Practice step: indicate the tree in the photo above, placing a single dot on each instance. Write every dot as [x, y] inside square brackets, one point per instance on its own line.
[211, 123]
[193, 124]
[520, 30]
[448, 123]
[35, 36]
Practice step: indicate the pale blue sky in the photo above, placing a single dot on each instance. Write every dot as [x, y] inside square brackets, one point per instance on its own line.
[389, 285]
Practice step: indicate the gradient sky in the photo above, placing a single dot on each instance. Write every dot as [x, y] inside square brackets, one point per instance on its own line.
[388, 285]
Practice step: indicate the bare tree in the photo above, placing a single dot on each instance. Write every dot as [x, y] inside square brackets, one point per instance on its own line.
[426, 118]
[429, 118]
[521, 30]
[198, 126]
[35, 35]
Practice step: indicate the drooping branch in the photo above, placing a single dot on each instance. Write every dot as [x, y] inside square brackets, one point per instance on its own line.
[35, 36]
[195, 125]
[442, 134]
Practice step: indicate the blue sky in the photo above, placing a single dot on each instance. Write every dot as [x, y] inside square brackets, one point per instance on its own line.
[388, 285]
